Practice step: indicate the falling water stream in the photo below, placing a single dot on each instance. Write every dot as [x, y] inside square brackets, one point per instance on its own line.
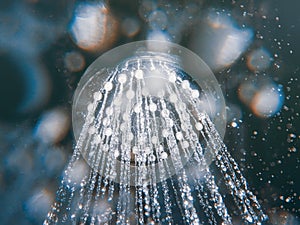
[151, 133]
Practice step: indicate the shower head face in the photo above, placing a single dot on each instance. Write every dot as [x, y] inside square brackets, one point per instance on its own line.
[137, 107]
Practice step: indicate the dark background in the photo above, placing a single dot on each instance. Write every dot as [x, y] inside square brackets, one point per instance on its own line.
[37, 81]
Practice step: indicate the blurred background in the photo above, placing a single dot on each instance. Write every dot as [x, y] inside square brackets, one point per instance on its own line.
[45, 46]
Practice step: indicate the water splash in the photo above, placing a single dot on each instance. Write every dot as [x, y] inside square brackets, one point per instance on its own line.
[150, 127]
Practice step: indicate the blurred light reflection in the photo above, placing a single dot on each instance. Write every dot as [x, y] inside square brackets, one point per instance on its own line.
[74, 61]
[173, 19]
[130, 27]
[259, 59]
[158, 35]
[264, 98]
[281, 217]
[219, 41]
[15, 159]
[158, 20]
[53, 126]
[38, 85]
[39, 203]
[54, 160]
[80, 171]
[94, 28]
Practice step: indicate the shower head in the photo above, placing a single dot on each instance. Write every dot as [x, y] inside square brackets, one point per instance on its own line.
[139, 101]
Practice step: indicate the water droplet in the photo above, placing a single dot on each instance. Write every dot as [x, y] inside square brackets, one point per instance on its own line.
[122, 78]
[164, 155]
[130, 94]
[172, 77]
[195, 94]
[199, 126]
[153, 107]
[97, 96]
[185, 84]
[139, 74]
[108, 86]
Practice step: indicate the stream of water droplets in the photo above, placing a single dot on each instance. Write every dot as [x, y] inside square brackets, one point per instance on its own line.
[155, 156]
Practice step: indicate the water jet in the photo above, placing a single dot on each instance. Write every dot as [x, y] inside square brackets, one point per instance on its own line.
[149, 119]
